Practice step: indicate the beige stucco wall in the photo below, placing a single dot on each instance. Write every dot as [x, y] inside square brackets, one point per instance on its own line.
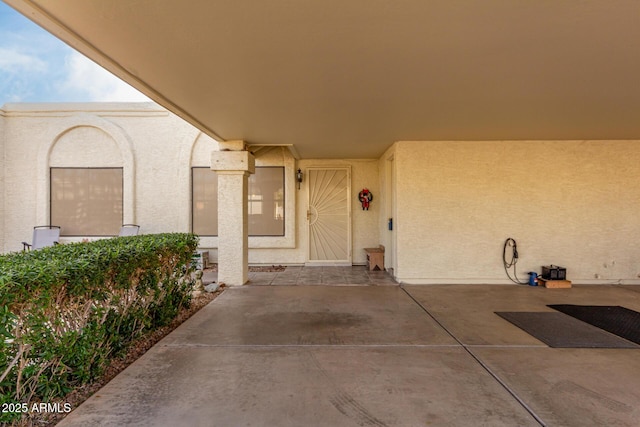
[142, 138]
[569, 203]
[156, 150]
[364, 224]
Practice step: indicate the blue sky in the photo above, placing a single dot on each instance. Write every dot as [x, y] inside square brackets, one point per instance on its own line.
[37, 67]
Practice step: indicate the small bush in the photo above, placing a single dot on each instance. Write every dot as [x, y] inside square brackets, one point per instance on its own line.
[66, 310]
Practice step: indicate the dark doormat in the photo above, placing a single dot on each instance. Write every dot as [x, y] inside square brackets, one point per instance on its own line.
[561, 331]
[618, 320]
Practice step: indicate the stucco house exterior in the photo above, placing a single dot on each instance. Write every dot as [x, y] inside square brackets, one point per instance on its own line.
[441, 209]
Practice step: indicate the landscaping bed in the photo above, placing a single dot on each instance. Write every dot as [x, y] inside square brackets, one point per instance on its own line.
[68, 312]
[137, 348]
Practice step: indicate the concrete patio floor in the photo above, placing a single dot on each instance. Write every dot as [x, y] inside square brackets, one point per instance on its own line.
[324, 355]
[335, 276]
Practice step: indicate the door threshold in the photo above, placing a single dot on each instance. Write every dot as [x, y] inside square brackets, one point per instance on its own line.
[328, 264]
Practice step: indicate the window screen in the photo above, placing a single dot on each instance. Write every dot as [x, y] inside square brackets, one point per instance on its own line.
[265, 202]
[204, 201]
[86, 201]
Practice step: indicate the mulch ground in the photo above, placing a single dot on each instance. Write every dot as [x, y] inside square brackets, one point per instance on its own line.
[137, 349]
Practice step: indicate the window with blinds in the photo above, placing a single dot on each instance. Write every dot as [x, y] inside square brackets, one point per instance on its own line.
[86, 201]
[265, 201]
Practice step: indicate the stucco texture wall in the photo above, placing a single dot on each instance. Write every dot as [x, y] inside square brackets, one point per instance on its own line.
[364, 224]
[569, 203]
[144, 139]
[22, 146]
[156, 150]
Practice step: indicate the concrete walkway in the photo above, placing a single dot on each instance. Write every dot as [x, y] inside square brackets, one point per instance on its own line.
[335, 276]
[373, 356]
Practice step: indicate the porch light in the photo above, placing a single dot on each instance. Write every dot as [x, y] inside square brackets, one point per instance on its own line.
[299, 177]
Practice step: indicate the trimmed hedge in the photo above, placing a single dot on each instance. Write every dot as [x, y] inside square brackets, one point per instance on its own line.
[66, 310]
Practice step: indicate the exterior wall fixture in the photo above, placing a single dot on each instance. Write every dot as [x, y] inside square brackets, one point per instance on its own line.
[299, 177]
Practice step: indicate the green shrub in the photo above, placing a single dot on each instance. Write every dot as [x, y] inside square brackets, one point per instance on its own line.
[66, 310]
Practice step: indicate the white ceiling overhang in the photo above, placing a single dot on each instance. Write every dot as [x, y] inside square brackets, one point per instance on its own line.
[346, 78]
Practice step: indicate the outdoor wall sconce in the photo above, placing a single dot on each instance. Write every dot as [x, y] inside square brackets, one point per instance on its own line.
[299, 177]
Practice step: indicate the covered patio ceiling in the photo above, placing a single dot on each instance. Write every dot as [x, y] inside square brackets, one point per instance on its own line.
[347, 78]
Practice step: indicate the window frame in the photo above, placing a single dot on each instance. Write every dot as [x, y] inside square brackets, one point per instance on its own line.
[252, 236]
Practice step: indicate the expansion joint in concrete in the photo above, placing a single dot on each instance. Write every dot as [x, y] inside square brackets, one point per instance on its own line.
[469, 350]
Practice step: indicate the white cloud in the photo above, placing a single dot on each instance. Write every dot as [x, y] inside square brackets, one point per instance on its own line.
[13, 61]
[85, 77]
[37, 67]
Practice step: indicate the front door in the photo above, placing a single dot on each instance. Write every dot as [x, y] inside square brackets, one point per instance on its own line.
[329, 216]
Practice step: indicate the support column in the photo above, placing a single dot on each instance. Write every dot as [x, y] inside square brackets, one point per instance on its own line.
[233, 164]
